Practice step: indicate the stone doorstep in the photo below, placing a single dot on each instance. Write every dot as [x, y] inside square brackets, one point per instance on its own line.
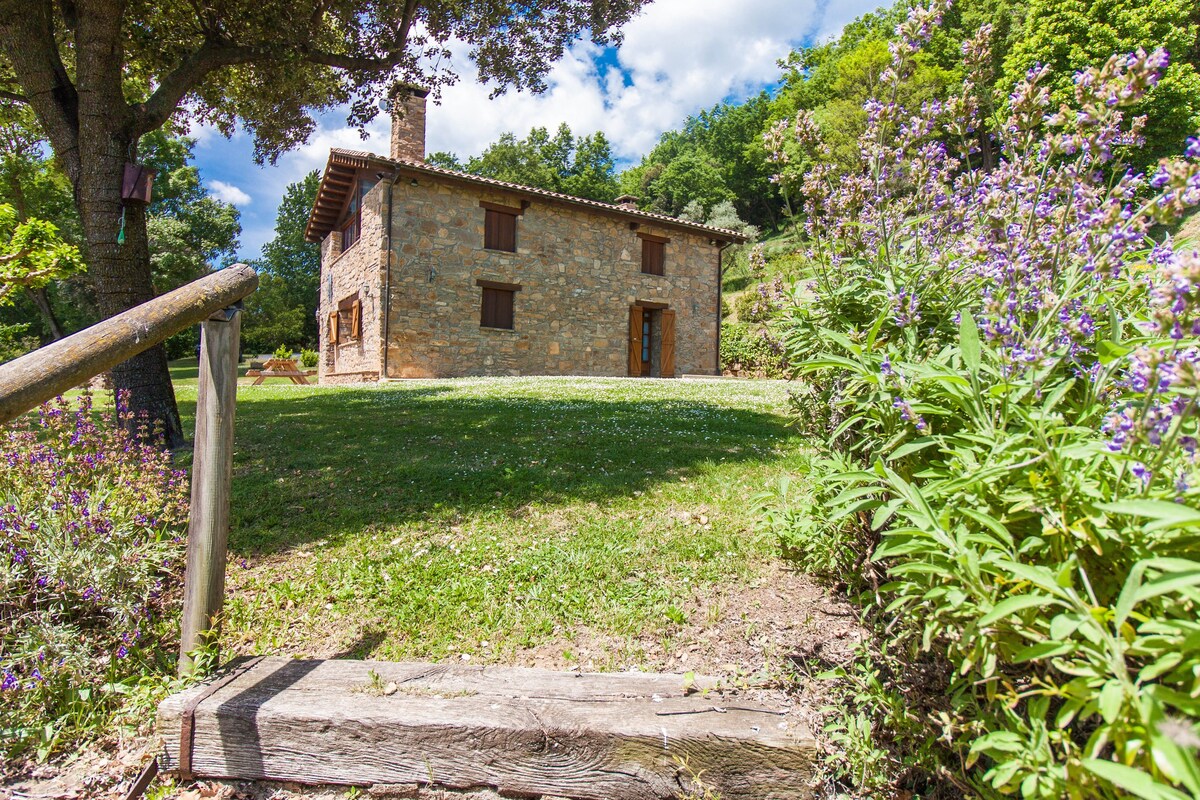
[521, 732]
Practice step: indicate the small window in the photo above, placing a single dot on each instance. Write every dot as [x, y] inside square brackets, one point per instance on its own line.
[347, 322]
[497, 308]
[352, 228]
[350, 232]
[499, 230]
[654, 256]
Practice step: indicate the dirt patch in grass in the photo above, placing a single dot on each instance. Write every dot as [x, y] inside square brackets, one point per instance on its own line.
[748, 632]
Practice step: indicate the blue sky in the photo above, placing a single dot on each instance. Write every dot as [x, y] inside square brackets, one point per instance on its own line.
[678, 57]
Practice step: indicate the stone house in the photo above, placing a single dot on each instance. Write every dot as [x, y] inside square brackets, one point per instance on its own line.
[427, 272]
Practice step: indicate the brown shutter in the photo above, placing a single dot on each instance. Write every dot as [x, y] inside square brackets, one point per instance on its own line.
[508, 233]
[667, 362]
[490, 234]
[635, 340]
[356, 320]
[497, 310]
[499, 230]
[504, 308]
[653, 256]
[333, 327]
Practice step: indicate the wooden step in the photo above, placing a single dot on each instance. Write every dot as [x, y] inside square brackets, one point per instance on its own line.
[523, 732]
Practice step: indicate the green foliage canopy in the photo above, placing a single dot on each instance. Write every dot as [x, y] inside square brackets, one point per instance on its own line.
[189, 230]
[32, 253]
[284, 308]
[1069, 37]
[581, 167]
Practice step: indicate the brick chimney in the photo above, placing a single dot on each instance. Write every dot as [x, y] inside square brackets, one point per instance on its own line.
[627, 202]
[408, 124]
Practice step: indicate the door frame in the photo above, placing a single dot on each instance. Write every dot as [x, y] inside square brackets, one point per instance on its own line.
[638, 311]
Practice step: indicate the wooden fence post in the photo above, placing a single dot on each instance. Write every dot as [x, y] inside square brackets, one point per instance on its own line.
[212, 474]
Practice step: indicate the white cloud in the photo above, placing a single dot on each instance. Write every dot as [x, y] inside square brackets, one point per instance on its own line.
[228, 193]
[678, 57]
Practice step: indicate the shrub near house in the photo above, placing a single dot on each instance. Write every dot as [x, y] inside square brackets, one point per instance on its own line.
[1006, 370]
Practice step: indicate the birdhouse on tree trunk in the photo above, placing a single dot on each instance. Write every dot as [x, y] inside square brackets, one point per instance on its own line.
[137, 184]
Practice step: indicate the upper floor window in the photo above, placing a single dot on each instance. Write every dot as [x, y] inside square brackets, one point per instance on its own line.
[500, 227]
[351, 227]
[654, 253]
[350, 231]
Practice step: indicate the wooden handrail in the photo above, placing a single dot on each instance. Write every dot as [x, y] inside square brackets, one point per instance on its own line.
[36, 377]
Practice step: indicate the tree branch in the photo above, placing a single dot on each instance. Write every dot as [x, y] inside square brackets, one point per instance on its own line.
[27, 38]
[13, 97]
[215, 54]
[210, 56]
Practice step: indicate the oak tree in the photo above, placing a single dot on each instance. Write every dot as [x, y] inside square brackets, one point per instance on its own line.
[101, 74]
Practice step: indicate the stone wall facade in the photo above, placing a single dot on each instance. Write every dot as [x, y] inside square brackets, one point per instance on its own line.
[357, 271]
[579, 272]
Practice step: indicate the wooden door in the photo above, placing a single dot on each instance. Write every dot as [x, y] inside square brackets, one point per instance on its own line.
[667, 356]
[635, 341]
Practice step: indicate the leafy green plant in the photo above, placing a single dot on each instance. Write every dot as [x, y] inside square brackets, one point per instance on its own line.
[751, 350]
[283, 352]
[15, 342]
[1008, 367]
[90, 555]
[834, 548]
[32, 254]
[309, 358]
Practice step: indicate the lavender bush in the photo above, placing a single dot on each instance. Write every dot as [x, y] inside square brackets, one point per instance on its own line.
[90, 554]
[1005, 365]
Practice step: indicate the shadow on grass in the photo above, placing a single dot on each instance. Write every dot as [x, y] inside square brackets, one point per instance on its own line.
[323, 465]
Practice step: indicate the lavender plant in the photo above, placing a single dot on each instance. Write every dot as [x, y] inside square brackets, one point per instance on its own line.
[91, 520]
[1012, 361]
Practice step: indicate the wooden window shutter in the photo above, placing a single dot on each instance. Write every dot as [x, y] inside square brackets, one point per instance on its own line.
[499, 230]
[356, 319]
[333, 327]
[635, 340]
[653, 256]
[667, 360]
[508, 233]
[490, 234]
[497, 310]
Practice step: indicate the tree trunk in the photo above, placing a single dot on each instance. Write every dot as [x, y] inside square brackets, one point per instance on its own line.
[105, 142]
[42, 300]
[121, 272]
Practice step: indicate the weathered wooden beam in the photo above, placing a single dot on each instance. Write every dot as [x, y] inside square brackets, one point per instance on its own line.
[524, 732]
[36, 377]
[212, 475]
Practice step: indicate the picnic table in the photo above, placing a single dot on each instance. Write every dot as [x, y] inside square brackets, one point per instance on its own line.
[281, 368]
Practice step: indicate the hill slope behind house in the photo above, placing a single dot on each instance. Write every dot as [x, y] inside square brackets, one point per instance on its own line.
[1189, 230]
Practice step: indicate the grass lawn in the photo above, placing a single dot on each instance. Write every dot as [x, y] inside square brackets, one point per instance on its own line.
[600, 523]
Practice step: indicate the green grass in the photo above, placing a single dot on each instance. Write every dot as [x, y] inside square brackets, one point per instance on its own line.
[482, 517]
